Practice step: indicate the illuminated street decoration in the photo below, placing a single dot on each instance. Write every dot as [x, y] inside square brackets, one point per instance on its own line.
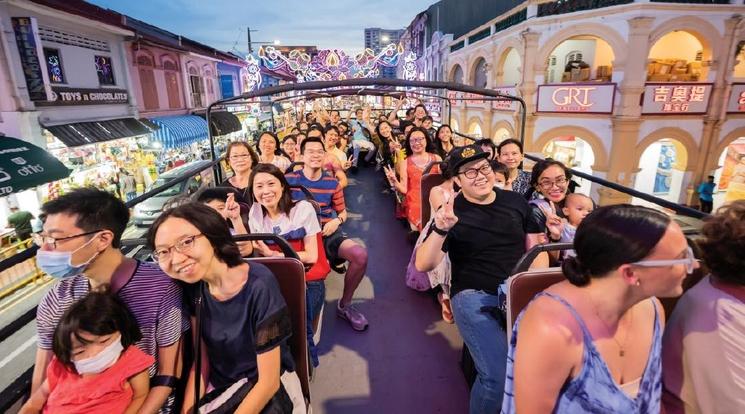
[332, 64]
[254, 73]
[410, 68]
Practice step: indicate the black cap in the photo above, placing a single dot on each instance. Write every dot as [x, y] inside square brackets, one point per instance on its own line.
[463, 155]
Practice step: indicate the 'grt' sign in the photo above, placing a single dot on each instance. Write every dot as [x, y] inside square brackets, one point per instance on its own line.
[577, 98]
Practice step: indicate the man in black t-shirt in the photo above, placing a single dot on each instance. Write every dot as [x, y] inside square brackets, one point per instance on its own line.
[484, 231]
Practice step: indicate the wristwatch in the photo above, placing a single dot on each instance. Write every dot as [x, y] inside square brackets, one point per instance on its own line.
[441, 232]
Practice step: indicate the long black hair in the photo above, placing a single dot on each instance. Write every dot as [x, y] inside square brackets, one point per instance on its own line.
[409, 151]
[612, 236]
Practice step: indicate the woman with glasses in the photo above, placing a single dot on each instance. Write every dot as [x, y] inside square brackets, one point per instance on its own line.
[192, 244]
[550, 179]
[241, 158]
[289, 147]
[410, 174]
[703, 359]
[593, 343]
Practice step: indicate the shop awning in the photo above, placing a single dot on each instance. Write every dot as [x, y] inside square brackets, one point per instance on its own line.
[84, 133]
[222, 122]
[178, 131]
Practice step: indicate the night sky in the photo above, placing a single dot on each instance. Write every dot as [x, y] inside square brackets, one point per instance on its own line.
[222, 23]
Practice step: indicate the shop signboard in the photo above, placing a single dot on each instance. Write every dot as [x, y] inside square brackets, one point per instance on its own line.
[29, 49]
[586, 98]
[82, 96]
[476, 100]
[736, 103]
[505, 105]
[676, 98]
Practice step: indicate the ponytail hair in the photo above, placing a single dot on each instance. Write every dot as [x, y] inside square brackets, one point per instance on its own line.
[612, 236]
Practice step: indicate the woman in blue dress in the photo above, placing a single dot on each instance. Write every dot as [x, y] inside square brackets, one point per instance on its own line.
[592, 343]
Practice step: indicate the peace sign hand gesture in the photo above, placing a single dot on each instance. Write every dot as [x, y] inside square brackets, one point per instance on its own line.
[445, 218]
[554, 223]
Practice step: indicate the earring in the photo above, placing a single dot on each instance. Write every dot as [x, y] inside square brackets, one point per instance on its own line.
[638, 282]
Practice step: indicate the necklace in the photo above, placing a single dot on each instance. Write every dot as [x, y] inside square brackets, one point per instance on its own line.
[621, 350]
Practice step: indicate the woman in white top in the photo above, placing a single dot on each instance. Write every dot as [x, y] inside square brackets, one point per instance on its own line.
[269, 152]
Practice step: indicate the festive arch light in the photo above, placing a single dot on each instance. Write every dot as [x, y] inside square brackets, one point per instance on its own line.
[332, 64]
[254, 73]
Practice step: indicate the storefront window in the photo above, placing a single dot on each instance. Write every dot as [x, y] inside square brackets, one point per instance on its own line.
[104, 70]
[54, 65]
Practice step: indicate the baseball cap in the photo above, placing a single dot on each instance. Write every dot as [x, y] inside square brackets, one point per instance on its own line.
[463, 155]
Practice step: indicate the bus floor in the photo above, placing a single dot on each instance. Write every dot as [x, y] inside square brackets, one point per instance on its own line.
[408, 359]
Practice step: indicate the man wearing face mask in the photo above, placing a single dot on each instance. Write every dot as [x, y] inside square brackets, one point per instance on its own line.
[79, 246]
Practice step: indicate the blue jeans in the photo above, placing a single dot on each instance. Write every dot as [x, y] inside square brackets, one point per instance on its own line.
[315, 296]
[359, 144]
[487, 342]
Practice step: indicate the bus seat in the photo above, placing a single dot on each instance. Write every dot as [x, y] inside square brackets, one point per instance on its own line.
[522, 287]
[290, 274]
[429, 181]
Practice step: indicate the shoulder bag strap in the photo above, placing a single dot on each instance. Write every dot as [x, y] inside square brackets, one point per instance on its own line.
[122, 274]
[197, 347]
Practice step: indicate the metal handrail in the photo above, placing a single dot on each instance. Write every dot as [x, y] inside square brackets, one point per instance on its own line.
[524, 263]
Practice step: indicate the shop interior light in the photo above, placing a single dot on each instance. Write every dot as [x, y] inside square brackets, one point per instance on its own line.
[156, 144]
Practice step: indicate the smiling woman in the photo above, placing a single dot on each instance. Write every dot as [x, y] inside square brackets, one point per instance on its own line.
[192, 243]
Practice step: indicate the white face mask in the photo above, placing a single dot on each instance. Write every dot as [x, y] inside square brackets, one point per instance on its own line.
[98, 363]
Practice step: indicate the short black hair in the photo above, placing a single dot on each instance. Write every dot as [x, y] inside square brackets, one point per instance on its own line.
[500, 168]
[543, 165]
[210, 223]
[311, 139]
[332, 128]
[335, 110]
[509, 141]
[98, 313]
[215, 193]
[409, 111]
[409, 151]
[428, 118]
[93, 209]
[611, 236]
[277, 151]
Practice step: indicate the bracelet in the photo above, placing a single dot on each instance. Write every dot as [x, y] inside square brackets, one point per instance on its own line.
[341, 220]
[441, 232]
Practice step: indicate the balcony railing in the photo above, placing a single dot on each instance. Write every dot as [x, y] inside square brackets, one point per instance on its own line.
[571, 6]
[511, 20]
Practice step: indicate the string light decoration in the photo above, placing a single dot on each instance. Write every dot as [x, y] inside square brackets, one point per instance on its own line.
[410, 68]
[332, 64]
[254, 73]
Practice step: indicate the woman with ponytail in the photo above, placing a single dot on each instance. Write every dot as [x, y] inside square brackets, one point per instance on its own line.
[593, 342]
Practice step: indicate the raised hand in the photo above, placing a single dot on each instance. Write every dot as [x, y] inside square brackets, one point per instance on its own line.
[554, 223]
[232, 209]
[445, 218]
[263, 249]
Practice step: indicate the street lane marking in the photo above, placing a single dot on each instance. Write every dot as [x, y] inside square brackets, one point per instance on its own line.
[8, 359]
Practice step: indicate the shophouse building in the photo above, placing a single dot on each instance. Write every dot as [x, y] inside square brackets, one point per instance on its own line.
[644, 93]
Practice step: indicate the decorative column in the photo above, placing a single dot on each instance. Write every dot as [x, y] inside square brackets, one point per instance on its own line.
[622, 163]
[528, 86]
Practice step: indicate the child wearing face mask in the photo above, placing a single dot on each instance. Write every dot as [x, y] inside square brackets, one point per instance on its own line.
[96, 366]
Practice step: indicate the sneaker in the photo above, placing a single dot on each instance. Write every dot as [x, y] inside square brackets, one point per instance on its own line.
[353, 316]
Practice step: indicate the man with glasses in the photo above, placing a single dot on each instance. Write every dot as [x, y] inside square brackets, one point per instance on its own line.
[484, 231]
[328, 193]
[79, 246]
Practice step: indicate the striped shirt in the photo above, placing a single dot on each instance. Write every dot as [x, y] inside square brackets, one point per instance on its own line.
[327, 192]
[153, 298]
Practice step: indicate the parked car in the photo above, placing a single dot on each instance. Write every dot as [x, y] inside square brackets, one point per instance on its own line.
[147, 211]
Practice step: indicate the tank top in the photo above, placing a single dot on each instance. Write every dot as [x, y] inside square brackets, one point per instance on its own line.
[594, 390]
[414, 186]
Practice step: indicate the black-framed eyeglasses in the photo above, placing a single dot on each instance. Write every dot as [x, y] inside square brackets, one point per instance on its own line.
[548, 184]
[182, 246]
[42, 240]
[472, 173]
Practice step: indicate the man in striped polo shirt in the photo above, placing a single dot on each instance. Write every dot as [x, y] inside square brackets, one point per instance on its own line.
[328, 193]
[79, 246]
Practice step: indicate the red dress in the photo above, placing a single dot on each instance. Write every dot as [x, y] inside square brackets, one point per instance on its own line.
[106, 392]
[413, 200]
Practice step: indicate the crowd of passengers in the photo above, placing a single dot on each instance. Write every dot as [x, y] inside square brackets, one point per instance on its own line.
[111, 331]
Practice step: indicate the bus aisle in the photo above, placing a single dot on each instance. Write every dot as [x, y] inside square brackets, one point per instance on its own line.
[408, 359]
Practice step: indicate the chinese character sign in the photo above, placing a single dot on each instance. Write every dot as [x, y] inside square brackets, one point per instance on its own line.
[737, 99]
[676, 98]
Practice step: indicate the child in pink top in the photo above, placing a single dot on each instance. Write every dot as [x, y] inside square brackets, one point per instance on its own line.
[96, 367]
